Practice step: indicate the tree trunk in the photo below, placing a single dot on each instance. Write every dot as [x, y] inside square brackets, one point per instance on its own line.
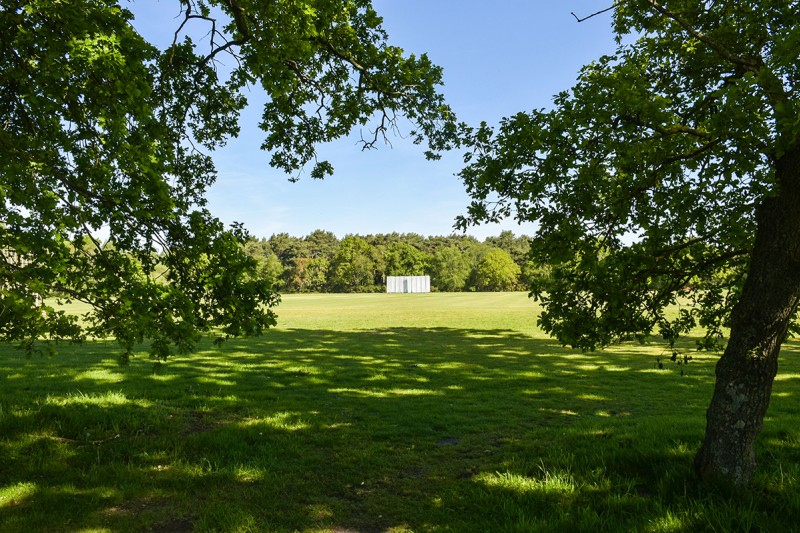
[759, 324]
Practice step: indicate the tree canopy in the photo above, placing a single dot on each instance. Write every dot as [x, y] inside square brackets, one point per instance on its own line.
[497, 271]
[104, 132]
[670, 170]
[403, 259]
[352, 268]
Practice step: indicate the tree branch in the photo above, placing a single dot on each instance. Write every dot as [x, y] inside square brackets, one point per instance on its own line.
[364, 75]
[616, 5]
[239, 18]
[672, 129]
[752, 64]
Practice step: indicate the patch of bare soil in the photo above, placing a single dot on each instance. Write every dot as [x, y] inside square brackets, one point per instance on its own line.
[174, 525]
[197, 423]
[153, 506]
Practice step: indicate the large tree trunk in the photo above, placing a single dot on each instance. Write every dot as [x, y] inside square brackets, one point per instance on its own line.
[759, 323]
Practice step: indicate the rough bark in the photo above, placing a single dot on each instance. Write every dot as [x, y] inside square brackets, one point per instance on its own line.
[759, 323]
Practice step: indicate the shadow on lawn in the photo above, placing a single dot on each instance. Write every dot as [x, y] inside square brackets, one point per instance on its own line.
[423, 429]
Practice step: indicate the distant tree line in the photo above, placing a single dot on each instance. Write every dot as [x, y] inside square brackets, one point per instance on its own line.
[320, 262]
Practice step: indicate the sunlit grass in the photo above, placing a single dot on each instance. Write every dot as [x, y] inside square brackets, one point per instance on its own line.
[438, 412]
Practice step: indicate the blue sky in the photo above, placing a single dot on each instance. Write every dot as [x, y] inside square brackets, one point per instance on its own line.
[498, 57]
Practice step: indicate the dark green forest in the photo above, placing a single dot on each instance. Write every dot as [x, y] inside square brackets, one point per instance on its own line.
[321, 262]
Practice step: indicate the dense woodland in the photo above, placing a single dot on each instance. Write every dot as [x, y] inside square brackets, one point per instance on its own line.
[320, 262]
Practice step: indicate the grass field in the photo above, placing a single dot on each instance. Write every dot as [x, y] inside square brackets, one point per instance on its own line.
[376, 412]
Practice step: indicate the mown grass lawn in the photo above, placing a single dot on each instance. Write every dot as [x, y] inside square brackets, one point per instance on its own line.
[366, 413]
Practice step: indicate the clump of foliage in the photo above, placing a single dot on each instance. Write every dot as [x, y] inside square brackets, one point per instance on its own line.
[104, 132]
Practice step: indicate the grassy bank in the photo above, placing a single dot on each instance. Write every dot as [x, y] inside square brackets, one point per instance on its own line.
[436, 412]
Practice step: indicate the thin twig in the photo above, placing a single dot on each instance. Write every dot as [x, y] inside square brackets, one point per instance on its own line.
[616, 4]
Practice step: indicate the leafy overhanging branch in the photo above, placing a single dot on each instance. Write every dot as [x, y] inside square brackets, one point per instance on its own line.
[642, 161]
[102, 130]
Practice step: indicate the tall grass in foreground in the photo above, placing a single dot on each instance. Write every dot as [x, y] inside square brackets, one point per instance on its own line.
[440, 412]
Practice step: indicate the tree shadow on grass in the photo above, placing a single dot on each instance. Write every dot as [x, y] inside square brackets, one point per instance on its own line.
[404, 428]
